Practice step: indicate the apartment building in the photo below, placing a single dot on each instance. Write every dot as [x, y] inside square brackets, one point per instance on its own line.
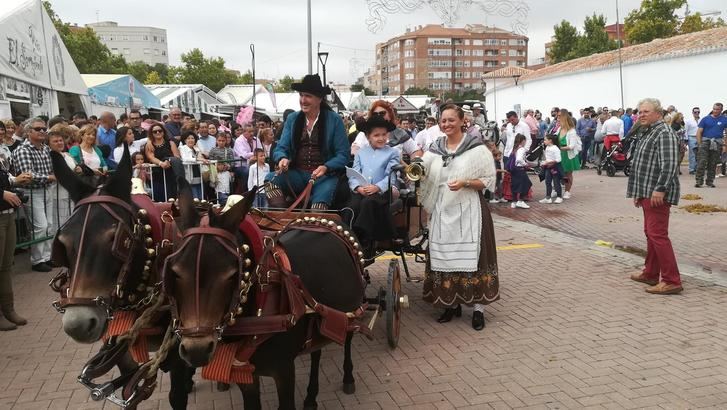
[444, 59]
[134, 43]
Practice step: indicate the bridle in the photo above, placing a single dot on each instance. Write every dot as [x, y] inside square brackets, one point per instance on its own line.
[228, 241]
[131, 233]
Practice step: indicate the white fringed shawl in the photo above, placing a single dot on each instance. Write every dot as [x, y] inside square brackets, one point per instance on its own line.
[455, 224]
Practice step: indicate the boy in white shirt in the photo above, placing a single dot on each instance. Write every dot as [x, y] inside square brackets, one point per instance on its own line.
[256, 177]
[553, 170]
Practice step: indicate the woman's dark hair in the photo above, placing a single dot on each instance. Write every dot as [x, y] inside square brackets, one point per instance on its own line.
[519, 138]
[2, 126]
[455, 107]
[553, 138]
[121, 135]
[159, 125]
[186, 135]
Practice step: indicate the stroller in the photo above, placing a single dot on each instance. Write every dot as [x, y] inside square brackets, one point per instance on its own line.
[616, 157]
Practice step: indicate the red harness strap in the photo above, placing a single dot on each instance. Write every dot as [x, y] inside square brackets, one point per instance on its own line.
[123, 320]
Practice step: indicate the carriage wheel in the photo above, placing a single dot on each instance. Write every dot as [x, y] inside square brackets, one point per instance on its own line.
[393, 304]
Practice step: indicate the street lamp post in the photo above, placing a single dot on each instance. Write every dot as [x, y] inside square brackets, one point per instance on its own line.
[323, 58]
[310, 42]
[620, 58]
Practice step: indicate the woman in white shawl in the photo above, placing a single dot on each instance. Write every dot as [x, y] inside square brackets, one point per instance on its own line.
[462, 260]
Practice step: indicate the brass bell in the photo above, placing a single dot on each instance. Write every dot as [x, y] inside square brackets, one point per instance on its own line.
[171, 200]
[352, 239]
[246, 248]
[307, 219]
[204, 201]
[246, 275]
[360, 254]
[150, 252]
[362, 261]
[331, 223]
[355, 245]
[147, 229]
[195, 200]
[324, 221]
[132, 298]
[339, 228]
[239, 310]
[142, 213]
[147, 263]
[231, 320]
[243, 299]
[346, 233]
[149, 241]
[247, 262]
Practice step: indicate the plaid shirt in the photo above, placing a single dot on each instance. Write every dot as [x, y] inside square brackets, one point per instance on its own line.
[654, 166]
[28, 158]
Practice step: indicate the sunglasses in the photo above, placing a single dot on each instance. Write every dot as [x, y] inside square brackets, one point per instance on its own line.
[380, 113]
[696, 112]
[40, 129]
[157, 131]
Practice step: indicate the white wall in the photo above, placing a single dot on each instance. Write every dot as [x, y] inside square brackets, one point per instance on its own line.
[684, 82]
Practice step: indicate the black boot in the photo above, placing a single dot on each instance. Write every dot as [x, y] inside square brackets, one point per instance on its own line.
[478, 320]
[449, 313]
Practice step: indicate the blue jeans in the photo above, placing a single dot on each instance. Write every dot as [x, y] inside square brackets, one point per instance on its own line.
[585, 154]
[552, 181]
[261, 200]
[222, 198]
[692, 153]
[323, 189]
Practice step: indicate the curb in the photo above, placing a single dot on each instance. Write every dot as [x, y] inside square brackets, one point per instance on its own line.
[603, 249]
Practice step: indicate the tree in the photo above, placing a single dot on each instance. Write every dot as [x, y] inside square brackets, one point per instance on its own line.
[283, 85]
[139, 70]
[594, 39]
[564, 43]
[359, 87]
[694, 22]
[90, 55]
[654, 19]
[153, 78]
[196, 69]
[417, 91]
[246, 78]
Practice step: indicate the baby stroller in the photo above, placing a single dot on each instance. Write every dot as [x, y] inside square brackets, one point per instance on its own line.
[616, 157]
[536, 155]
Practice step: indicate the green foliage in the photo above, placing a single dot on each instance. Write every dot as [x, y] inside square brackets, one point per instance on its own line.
[417, 91]
[197, 69]
[245, 78]
[153, 78]
[283, 85]
[564, 43]
[654, 19]
[359, 87]
[694, 22]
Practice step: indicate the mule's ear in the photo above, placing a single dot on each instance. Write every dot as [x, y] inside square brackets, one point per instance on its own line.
[119, 184]
[230, 220]
[77, 189]
[188, 215]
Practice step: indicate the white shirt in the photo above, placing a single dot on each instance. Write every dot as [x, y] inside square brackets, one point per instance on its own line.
[613, 126]
[426, 137]
[510, 133]
[133, 149]
[552, 153]
[256, 177]
[691, 126]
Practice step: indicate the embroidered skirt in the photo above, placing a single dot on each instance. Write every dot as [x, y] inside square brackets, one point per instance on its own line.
[449, 289]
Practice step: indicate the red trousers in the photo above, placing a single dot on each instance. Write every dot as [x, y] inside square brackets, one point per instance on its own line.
[660, 257]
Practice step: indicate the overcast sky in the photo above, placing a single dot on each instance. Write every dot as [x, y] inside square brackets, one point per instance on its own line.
[226, 28]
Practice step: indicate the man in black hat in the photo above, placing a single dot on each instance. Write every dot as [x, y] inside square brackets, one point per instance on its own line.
[313, 146]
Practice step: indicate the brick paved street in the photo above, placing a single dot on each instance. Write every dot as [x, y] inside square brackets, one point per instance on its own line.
[599, 209]
[571, 331]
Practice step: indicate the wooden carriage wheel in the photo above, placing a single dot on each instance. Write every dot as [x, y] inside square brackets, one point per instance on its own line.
[393, 303]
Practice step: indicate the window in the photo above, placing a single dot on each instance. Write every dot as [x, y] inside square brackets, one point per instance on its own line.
[457, 41]
[491, 64]
[478, 63]
[514, 42]
[409, 53]
[409, 64]
[164, 52]
[478, 53]
[458, 52]
[467, 52]
[512, 63]
[115, 50]
[409, 76]
[520, 64]
[127, 51]
[503, 42]
[163, 39]
[513, 53]
[466, 42]
[146, 38]
[503, 62]
[156, 52]
[476, 42]
[147, 51]
[439, 53]
[459, 74]
[503, 52]
[439, 74]
[491, 42]
[440, 63]
[440, 41]
[154, 39]
[409, 42]
[459, 63]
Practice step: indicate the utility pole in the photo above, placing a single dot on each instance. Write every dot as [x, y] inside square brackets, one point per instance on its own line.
[620, 59]
[310, 42]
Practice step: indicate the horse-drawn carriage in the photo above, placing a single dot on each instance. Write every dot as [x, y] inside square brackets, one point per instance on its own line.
[185, 276]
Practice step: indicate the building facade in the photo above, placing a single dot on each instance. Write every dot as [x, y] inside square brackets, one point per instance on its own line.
[147, 44]
[444, 59]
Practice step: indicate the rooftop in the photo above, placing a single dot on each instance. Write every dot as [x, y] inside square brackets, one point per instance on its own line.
[438, 30]
[707, 41]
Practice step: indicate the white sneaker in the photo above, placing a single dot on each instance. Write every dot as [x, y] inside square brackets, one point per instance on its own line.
[512, 204]
[503, 200]
[558, 200]
[566, 195]
[494, 201]
[521, 204]
[546, 201]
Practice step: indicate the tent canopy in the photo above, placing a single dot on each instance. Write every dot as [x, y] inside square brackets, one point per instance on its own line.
[119, 90]
[35, 53]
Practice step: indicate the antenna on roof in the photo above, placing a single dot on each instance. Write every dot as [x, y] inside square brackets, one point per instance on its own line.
[97, 13]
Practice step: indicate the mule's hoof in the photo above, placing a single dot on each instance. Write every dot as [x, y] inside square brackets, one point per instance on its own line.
[349, 388]
[190, 386]
[222, 386]
[307, 406]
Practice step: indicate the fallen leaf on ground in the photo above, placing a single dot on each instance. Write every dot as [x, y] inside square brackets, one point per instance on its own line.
[691, 197]
[702, 208]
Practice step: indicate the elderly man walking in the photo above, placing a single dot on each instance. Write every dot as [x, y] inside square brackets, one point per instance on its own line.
[654, 186]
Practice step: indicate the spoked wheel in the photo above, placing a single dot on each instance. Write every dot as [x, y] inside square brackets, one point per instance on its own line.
[395, 300]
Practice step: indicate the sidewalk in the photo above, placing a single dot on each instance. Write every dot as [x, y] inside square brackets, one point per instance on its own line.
[599, 210]
[571, 331]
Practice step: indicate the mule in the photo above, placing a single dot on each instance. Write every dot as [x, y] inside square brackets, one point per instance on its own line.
[209, 285]
[105, 247]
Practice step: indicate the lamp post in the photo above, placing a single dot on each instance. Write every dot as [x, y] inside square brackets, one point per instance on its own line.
[323, 58]
[620, 58]
[310, 42]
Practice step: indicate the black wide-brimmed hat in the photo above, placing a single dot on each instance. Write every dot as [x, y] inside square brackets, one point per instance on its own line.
[377, 121]
[311, 84]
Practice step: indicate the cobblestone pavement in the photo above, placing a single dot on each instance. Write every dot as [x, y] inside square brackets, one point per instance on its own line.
[571, 331]
[599, 210]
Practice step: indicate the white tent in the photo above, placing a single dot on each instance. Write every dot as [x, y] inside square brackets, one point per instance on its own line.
[37, 74]
[195, 99]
